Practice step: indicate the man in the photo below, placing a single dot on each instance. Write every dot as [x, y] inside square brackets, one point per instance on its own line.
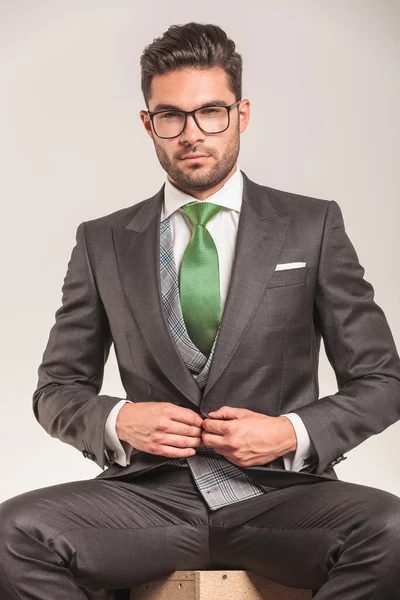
[215, 292]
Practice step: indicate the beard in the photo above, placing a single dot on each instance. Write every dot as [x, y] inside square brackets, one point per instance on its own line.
[196, 176]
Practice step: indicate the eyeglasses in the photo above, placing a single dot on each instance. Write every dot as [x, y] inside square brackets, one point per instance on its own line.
[210, 119]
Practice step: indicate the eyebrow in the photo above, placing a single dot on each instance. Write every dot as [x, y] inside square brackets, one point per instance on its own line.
[173, 107]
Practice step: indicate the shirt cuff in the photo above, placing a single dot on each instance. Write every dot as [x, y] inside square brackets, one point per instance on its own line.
[122, 450]
[297, 459]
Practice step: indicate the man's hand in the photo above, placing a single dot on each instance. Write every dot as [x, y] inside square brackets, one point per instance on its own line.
[160, 428]
[248, 438]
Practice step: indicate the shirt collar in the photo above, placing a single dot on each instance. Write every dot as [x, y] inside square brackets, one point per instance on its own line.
[229, 196]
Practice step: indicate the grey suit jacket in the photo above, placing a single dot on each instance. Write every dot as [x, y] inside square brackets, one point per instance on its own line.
[266, 356]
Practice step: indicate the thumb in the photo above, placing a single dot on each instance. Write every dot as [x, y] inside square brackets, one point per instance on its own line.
[226, 412]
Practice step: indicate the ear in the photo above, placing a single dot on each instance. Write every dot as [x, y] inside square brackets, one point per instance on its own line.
[244, 114]
[146, 122]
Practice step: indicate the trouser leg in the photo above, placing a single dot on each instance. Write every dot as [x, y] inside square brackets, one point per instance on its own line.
[340, 538]
[100, 534]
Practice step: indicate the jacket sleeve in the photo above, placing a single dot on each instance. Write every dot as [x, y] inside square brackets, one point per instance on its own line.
[360, 348]
[66, 401]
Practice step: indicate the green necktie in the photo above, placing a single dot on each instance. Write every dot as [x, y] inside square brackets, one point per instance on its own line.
[199, 278]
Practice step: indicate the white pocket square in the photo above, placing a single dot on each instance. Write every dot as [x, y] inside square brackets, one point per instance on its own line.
[293, 265]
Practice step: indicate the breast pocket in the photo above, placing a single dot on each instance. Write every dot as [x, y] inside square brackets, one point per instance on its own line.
[295, 276]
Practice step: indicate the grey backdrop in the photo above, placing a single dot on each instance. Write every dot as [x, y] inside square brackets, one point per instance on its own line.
[323, 81]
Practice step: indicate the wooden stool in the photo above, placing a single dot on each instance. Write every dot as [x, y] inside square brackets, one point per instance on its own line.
[216, 585]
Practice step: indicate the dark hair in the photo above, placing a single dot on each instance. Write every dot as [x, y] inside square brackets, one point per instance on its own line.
[193, 45]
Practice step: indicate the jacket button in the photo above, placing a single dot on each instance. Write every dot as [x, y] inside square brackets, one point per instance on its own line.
[335, 462]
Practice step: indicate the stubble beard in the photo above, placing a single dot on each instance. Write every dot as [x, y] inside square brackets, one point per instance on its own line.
[196, 176]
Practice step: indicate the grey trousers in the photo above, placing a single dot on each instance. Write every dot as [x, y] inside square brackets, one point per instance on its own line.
[91, 538]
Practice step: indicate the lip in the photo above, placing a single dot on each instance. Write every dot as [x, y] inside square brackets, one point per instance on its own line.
[200, 158]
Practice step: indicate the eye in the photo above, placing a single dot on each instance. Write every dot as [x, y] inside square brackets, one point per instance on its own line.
[169, 115]
[210, 111]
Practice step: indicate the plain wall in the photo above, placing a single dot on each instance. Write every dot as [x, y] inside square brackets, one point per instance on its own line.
[323, 81]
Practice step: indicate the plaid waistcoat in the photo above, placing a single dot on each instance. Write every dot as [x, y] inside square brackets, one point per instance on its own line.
[219, 481]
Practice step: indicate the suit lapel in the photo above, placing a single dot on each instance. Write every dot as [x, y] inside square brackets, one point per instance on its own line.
[137, 248]
[261, 232]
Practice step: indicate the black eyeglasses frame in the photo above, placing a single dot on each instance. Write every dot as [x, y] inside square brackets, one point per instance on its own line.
[191, 112]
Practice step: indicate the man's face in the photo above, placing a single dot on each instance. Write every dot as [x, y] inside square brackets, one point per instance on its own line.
[189, 89]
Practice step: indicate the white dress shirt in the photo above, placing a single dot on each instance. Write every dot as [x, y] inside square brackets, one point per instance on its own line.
[223, 228]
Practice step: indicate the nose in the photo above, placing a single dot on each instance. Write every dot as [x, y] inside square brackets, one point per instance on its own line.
[192, 133]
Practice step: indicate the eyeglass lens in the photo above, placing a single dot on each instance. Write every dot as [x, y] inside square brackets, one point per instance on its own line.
[211, 120]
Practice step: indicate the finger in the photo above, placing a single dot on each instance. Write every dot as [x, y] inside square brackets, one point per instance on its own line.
[232, 459]
[215, 441]
[227, 412]
[173, 452]
[182, 429]
[184, 415]
[216, 426]
[180, 441]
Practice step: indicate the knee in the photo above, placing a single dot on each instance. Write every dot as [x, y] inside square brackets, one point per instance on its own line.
[18, 514]
[382, 516]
